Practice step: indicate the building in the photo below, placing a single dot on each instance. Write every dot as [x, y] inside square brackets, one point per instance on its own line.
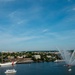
[37, 56]
[49, 56]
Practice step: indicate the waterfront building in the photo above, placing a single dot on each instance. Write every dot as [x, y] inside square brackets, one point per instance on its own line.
[37, 56]
[49, 56]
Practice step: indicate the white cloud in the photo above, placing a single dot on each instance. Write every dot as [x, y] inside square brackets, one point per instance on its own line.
[63, 35]
[45, 30]
[31, 13]
[12, 14]
[6, 0]
[22, 21]
[2, 28]
[69, 0]
[9, 39]
[73, 9]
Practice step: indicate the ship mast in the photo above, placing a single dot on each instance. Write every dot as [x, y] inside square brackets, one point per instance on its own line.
[2, 57]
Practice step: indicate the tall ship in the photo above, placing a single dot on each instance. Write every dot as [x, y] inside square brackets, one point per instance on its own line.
[7, 64]
[2, 64]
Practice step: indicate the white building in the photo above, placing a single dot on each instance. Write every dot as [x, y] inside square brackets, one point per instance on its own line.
[37, 56]
[49, 56]
[23, 56]
[11, 57]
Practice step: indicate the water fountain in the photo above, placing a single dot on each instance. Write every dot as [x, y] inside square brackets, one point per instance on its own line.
[69, 57]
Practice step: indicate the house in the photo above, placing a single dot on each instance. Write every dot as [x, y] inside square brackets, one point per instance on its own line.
[37, 56]
[11, 57]
[19, 56]
[49, 56]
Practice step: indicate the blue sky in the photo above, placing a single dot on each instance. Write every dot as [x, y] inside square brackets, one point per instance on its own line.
[37, 24]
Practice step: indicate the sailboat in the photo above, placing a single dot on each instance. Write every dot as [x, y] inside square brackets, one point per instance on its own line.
[7, 63]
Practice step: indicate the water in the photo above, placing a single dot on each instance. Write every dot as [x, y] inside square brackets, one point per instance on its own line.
[50, 68]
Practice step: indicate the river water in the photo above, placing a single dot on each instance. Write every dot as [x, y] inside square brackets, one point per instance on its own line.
[50, 68]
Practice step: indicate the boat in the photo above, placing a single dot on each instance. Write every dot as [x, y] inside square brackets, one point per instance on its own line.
[7, 64]
[69, 69]
[10, 71]
[59, 61]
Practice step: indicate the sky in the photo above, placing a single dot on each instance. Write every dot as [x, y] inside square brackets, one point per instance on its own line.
[37, 25]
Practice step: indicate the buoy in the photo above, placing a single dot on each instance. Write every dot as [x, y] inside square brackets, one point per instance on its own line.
[69, 69]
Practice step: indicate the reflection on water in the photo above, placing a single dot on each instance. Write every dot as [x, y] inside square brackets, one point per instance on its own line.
[11, 74]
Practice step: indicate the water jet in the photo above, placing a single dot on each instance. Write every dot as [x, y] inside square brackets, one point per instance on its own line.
[69, 57]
